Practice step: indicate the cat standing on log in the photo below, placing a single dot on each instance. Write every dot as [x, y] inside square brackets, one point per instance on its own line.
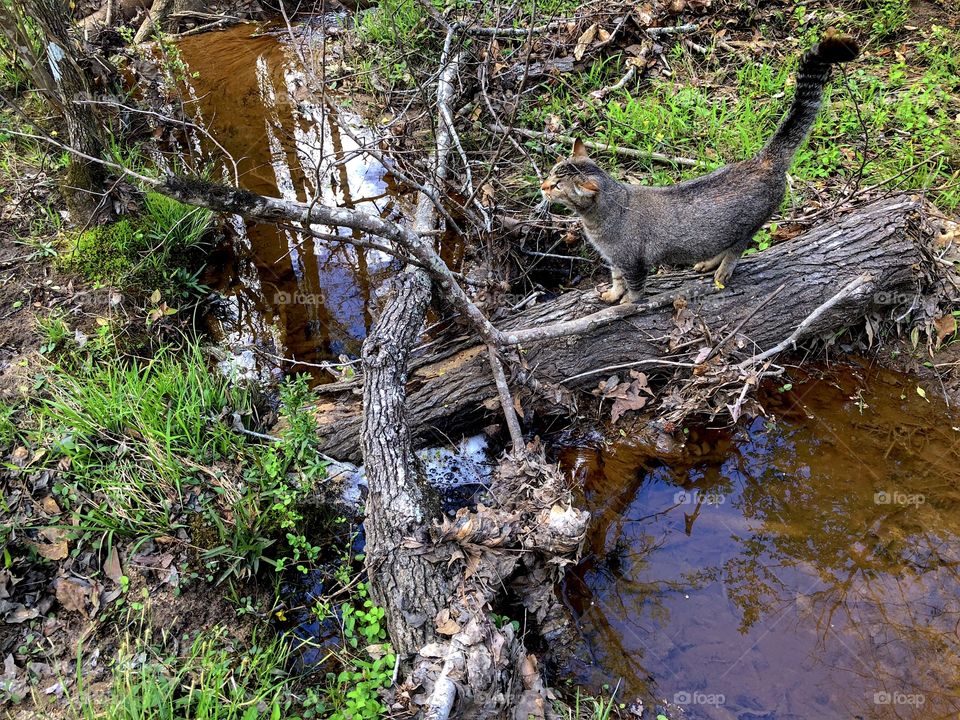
[706, 222]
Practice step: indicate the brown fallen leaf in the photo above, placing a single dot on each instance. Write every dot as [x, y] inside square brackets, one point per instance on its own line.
[584, 42]
[19, 613]
[19, 456]
[111, 566]
[52, 551]
[446, 625]
[487, 195]
[73, 593]
[946, 325]
[50, 506]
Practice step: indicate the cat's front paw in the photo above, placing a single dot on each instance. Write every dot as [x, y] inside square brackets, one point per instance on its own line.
[612, 295]
[630, 298]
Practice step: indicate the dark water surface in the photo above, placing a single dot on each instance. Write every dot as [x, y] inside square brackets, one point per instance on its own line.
[806, 567]
[285, 293]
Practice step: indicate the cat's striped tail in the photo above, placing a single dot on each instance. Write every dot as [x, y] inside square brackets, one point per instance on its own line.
[813, 74]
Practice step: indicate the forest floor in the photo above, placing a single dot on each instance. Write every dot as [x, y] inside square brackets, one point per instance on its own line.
[147, 544]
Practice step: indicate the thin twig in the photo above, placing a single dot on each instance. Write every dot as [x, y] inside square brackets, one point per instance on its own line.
[615, 149]
[506, 402]
[658, 32]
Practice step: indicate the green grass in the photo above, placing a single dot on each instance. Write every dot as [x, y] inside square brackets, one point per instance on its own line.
[145, 447]
[908, 109]
[133, 436]
[149, 251]
[214, 678]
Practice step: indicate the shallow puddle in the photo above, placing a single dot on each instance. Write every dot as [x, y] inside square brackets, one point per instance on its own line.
[287, 295]
[805, 567]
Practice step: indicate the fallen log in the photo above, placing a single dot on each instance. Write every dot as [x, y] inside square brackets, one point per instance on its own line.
[450, 387]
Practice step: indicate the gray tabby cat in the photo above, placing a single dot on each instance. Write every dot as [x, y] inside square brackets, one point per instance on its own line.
[709, 220]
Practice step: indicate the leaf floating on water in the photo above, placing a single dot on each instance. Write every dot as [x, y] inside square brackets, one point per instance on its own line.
[922, 393]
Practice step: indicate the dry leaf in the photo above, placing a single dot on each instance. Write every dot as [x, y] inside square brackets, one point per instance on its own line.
[946, 325]
[52, 551]
[445, 624]
[111, 567]
[50, 506]
[73, 594]
[19, 456]
[486, 195]
[20, 614]
[584, 42]
[644, 15]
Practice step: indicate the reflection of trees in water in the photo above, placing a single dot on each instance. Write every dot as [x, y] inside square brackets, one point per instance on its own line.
[884, 576]
[617, 552]
[876, 583]
[246, 89]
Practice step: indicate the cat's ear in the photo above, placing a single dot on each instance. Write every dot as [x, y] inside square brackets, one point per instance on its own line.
[588, 187]
[579, 149]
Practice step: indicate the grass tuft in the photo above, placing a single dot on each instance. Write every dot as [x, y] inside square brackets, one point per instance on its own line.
[145, 253]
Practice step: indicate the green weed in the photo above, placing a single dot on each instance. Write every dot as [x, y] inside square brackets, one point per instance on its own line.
[132, 436]
[905, 108]
[214, 679]
[367, 663]
[279, 481]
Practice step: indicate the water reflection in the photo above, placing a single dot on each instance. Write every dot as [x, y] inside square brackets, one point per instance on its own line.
[804, 567]
[287, 294]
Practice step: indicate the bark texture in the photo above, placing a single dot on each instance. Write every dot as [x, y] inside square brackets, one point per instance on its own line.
[450, 385]
[397, 509]
[63, 72]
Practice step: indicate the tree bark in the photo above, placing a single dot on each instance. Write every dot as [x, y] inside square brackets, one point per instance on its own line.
[56, 69]
[450, 387]
[405, 583]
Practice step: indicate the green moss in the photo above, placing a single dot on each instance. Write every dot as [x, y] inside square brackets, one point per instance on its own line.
[143, 253]
[103, 255]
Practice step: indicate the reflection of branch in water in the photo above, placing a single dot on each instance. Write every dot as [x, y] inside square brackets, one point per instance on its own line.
[595, 591]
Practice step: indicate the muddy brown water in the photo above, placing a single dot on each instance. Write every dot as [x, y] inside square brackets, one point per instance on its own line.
[284, 294]
[803, 567]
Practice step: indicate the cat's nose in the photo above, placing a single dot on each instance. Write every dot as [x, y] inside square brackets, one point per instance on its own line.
[547, 185]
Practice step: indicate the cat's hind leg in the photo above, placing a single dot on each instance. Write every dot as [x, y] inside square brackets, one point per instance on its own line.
[617, 287]
[711, 264]
[728, 261]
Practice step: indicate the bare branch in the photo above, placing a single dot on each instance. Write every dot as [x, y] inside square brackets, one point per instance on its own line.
[846, 291]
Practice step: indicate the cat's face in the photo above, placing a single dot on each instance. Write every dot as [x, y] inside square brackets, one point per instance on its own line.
[574, 181]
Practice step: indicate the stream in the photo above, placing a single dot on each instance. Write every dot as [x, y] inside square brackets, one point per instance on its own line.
[804, 566]
[288, 301]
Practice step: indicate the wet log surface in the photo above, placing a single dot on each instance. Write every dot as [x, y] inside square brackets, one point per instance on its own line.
[450, 387]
